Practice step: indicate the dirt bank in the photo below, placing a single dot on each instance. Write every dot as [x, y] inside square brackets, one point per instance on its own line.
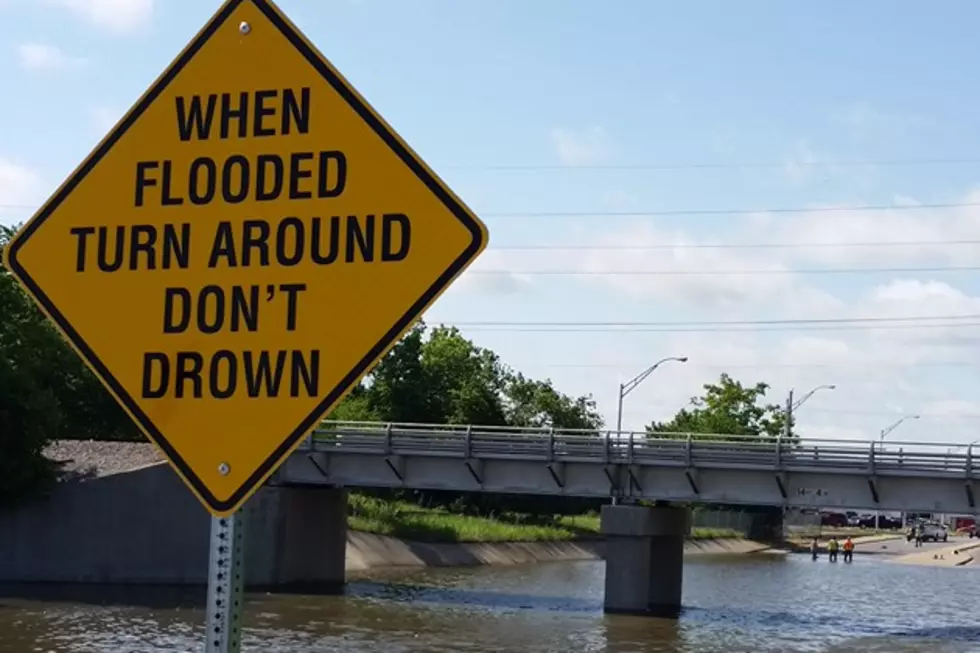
[369, 551]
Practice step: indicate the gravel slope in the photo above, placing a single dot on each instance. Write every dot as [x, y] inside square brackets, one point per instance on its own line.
[93, 459]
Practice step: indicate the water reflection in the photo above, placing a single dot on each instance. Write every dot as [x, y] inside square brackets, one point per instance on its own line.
[760, 603]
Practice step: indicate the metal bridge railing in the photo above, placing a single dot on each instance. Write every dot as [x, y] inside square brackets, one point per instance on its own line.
[666, 449]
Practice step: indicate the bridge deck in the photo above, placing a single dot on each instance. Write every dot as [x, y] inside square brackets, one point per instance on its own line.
[671, 466]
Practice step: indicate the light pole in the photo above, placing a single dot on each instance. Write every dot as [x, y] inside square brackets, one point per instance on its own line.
[889, 429]
[630, 386]
[885, 431]
[793, 405]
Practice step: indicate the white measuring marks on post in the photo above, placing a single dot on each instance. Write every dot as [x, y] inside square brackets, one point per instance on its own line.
[226, 584]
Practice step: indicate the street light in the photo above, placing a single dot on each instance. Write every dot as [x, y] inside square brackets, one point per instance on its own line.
[793, 405]
[629, 386]
[881, 439]
[800, 401]
[886, 431]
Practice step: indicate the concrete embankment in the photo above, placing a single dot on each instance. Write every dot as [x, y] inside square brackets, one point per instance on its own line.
[368, 551]
[955, 555]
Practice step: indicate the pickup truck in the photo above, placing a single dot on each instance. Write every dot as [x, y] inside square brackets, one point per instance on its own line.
[934, 532]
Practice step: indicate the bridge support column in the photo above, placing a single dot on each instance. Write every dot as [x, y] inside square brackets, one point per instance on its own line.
[644, 554]
[296, 539]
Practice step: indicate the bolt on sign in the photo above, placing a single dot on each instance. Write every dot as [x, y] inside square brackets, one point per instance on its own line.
[241, 249]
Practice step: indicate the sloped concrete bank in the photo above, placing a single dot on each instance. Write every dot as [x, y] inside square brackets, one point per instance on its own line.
[368, 551]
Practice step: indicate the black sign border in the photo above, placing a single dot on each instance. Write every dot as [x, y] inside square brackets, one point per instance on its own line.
[363, 365]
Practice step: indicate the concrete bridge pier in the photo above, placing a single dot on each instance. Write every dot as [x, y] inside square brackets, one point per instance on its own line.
[644, 552]
[296, 539]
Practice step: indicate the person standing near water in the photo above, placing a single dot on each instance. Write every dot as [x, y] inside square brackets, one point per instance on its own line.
[832, 547]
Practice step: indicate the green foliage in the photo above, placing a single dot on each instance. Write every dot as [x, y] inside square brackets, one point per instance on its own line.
[46, 392]
[727, 408]
[446, 379]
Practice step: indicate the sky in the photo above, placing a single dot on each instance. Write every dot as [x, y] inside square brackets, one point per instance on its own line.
[629, 159]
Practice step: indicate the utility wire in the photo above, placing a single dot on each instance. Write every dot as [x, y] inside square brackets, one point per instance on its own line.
[822, 320]
[709, 165]
[722, 329]
[590, 273]
[896, 243]
[876, 364]
[692, 212]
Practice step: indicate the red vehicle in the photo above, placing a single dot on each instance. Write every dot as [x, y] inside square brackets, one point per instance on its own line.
[964, 523]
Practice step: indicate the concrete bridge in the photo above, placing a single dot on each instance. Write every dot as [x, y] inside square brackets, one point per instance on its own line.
[136, 522]
[644, 545]
[675, 467]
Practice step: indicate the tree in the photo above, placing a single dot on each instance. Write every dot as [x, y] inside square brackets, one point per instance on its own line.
[539, 404]
[727, 408]
[86, 408]
[447, 379]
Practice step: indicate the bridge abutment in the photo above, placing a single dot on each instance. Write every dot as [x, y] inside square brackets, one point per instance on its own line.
[644, 553]
[296, 538]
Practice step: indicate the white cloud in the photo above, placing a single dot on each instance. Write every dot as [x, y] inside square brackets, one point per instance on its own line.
[119, 16]
[41, 56]
[677, 271]
[492, 260]
[19, 187]
[881, 373]
[588, 147]
[863, 117]
[103, 119]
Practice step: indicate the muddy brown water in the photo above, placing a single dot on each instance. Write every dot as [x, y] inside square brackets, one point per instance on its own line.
[733, 604]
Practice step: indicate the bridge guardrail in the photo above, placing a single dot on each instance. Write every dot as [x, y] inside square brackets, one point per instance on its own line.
[666, 449]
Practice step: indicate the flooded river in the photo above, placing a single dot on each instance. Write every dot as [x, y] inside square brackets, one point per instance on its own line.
[784, 603]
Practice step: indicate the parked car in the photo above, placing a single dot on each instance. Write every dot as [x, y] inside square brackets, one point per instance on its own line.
[833, 519]
[884, 521]
[933, 531]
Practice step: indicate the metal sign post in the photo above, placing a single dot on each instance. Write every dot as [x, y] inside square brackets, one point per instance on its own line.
[226, 584]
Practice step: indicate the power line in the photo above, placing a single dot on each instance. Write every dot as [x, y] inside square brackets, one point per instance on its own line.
[589, 273]
[709, 329]
[709, 165]
[845, 411]
[876, 364]
[693, 212]
[673, 323]
[896, 243]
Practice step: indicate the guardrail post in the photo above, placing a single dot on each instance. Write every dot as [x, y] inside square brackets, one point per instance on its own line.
[969, 461]
[871, 459]
[690, 451]
[779, 452]
[629, 452]
[388, 438]
[469, 441]
[551, 443]
[607, 445]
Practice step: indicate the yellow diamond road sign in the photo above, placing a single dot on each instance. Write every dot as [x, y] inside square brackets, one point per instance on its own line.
[241, 249]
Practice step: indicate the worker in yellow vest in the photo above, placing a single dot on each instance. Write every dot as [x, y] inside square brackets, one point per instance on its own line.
[832, 548]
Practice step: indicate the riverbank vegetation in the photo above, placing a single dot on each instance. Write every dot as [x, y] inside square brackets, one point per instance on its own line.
[410, 521]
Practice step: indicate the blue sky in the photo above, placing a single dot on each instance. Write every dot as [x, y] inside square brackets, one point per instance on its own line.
[782, 98]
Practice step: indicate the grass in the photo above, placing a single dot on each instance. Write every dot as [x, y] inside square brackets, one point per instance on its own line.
[409, 521]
